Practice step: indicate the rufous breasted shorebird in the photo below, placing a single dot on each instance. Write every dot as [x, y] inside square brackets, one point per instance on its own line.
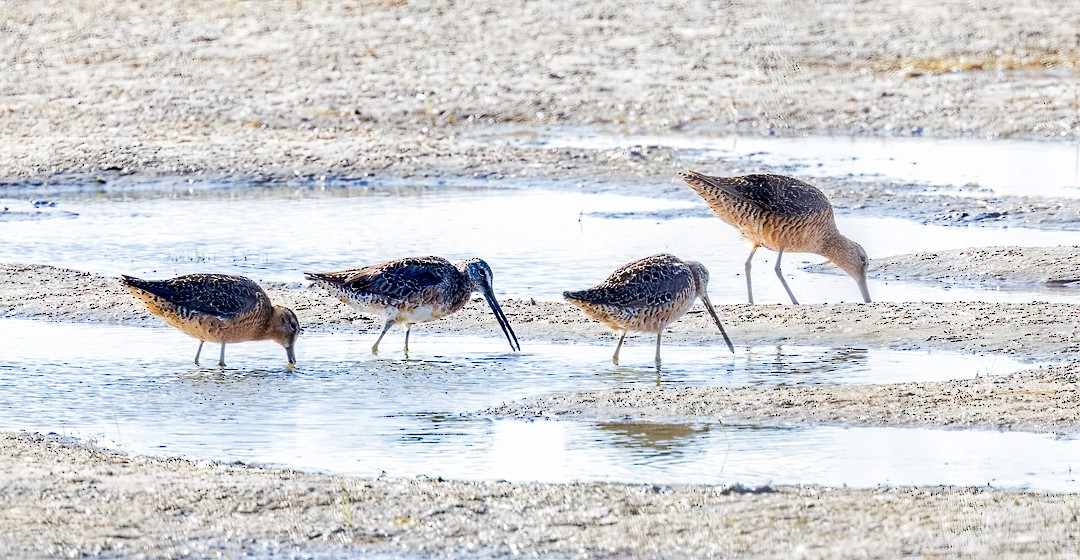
[782, 214]
[219, 308]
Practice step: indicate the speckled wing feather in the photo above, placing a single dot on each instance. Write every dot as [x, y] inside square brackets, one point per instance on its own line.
[397, 280]
[219, 295]
[775, 194]
[648, 282]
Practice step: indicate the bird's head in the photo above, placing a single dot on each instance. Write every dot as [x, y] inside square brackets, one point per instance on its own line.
[285, 328]
[850, 257]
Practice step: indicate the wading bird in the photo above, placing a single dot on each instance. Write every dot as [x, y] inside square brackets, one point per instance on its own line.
[647, 295]
[414, 290]
[219, 308]
[782, 214]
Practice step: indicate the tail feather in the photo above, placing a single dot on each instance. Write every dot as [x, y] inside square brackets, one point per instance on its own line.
[576, 296]
[598, 296]
[157, 288]
[702, 182]
[333, 278]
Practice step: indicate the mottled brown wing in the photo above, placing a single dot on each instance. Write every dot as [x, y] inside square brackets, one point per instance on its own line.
[215, 294]
[397, 280]
[652, 281]
[776, 194]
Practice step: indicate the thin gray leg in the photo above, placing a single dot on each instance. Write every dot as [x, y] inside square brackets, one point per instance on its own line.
[221, 362]
[749, 288]
[658, 335]
[780, 275]
[199, 351]
[615, 358]
[375, 348]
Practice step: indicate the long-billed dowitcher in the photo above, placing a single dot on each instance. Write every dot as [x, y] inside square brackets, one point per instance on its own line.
[414, 290]
[647, 295]
[218, 308]
[782, 214]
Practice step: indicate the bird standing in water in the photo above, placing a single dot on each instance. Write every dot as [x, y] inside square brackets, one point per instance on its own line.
[414, 290]
[647, 295]
[219, 308]
[782, 214]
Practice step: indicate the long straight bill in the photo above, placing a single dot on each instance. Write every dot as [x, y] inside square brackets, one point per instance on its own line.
[501, 318]
[290, 354]
[708, 305]
[862, 288]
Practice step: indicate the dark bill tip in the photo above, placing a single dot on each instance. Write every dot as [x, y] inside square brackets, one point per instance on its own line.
[504, 323]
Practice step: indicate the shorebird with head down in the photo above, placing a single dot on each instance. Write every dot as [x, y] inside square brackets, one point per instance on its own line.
[219, 308]
[414, 290]
[647, 295]
[782, 214]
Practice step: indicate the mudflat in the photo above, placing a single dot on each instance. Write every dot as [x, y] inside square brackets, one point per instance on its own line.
[101, 96]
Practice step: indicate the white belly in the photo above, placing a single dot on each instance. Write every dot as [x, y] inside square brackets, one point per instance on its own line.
[421, 314]
[404, 314]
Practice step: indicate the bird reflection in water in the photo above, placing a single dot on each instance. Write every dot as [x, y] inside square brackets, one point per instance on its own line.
[659, 440]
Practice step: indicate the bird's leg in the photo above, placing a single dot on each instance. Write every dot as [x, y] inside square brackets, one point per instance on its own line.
[615, 358]
[658, 335]
[408, 329]
[375, 348]
[749, 288]
[780, 275]
[199, 351]
[221, 362]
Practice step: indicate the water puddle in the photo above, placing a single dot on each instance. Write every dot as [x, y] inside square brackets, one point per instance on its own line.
[998, 167]
[343, 410]
[562, 451]
[539, 243]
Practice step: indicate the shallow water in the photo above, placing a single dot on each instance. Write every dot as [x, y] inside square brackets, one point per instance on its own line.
[965, 165]
[538, 243]
[343, 410]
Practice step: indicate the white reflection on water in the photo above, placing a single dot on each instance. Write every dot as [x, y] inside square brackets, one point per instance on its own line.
[344, 410]
[999, 167]
[538, 243]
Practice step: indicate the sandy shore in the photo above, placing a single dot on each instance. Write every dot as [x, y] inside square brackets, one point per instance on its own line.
[98, 97]
[1042, 399]
[989, 266]
[69, 500]
[270, 89]
[1035, 331]
[1036, 400]
[64, 498]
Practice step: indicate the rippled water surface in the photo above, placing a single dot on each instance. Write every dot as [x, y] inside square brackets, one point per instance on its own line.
[346, 411]
[343, 410]
[1000, 167]
[539, 243]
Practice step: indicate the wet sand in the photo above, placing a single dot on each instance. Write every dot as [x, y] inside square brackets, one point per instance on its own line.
[112, 504]
[102, 96]
[1034, 331]
[64, 499]
[1042, 400]
[310, 87]
[989, 266]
